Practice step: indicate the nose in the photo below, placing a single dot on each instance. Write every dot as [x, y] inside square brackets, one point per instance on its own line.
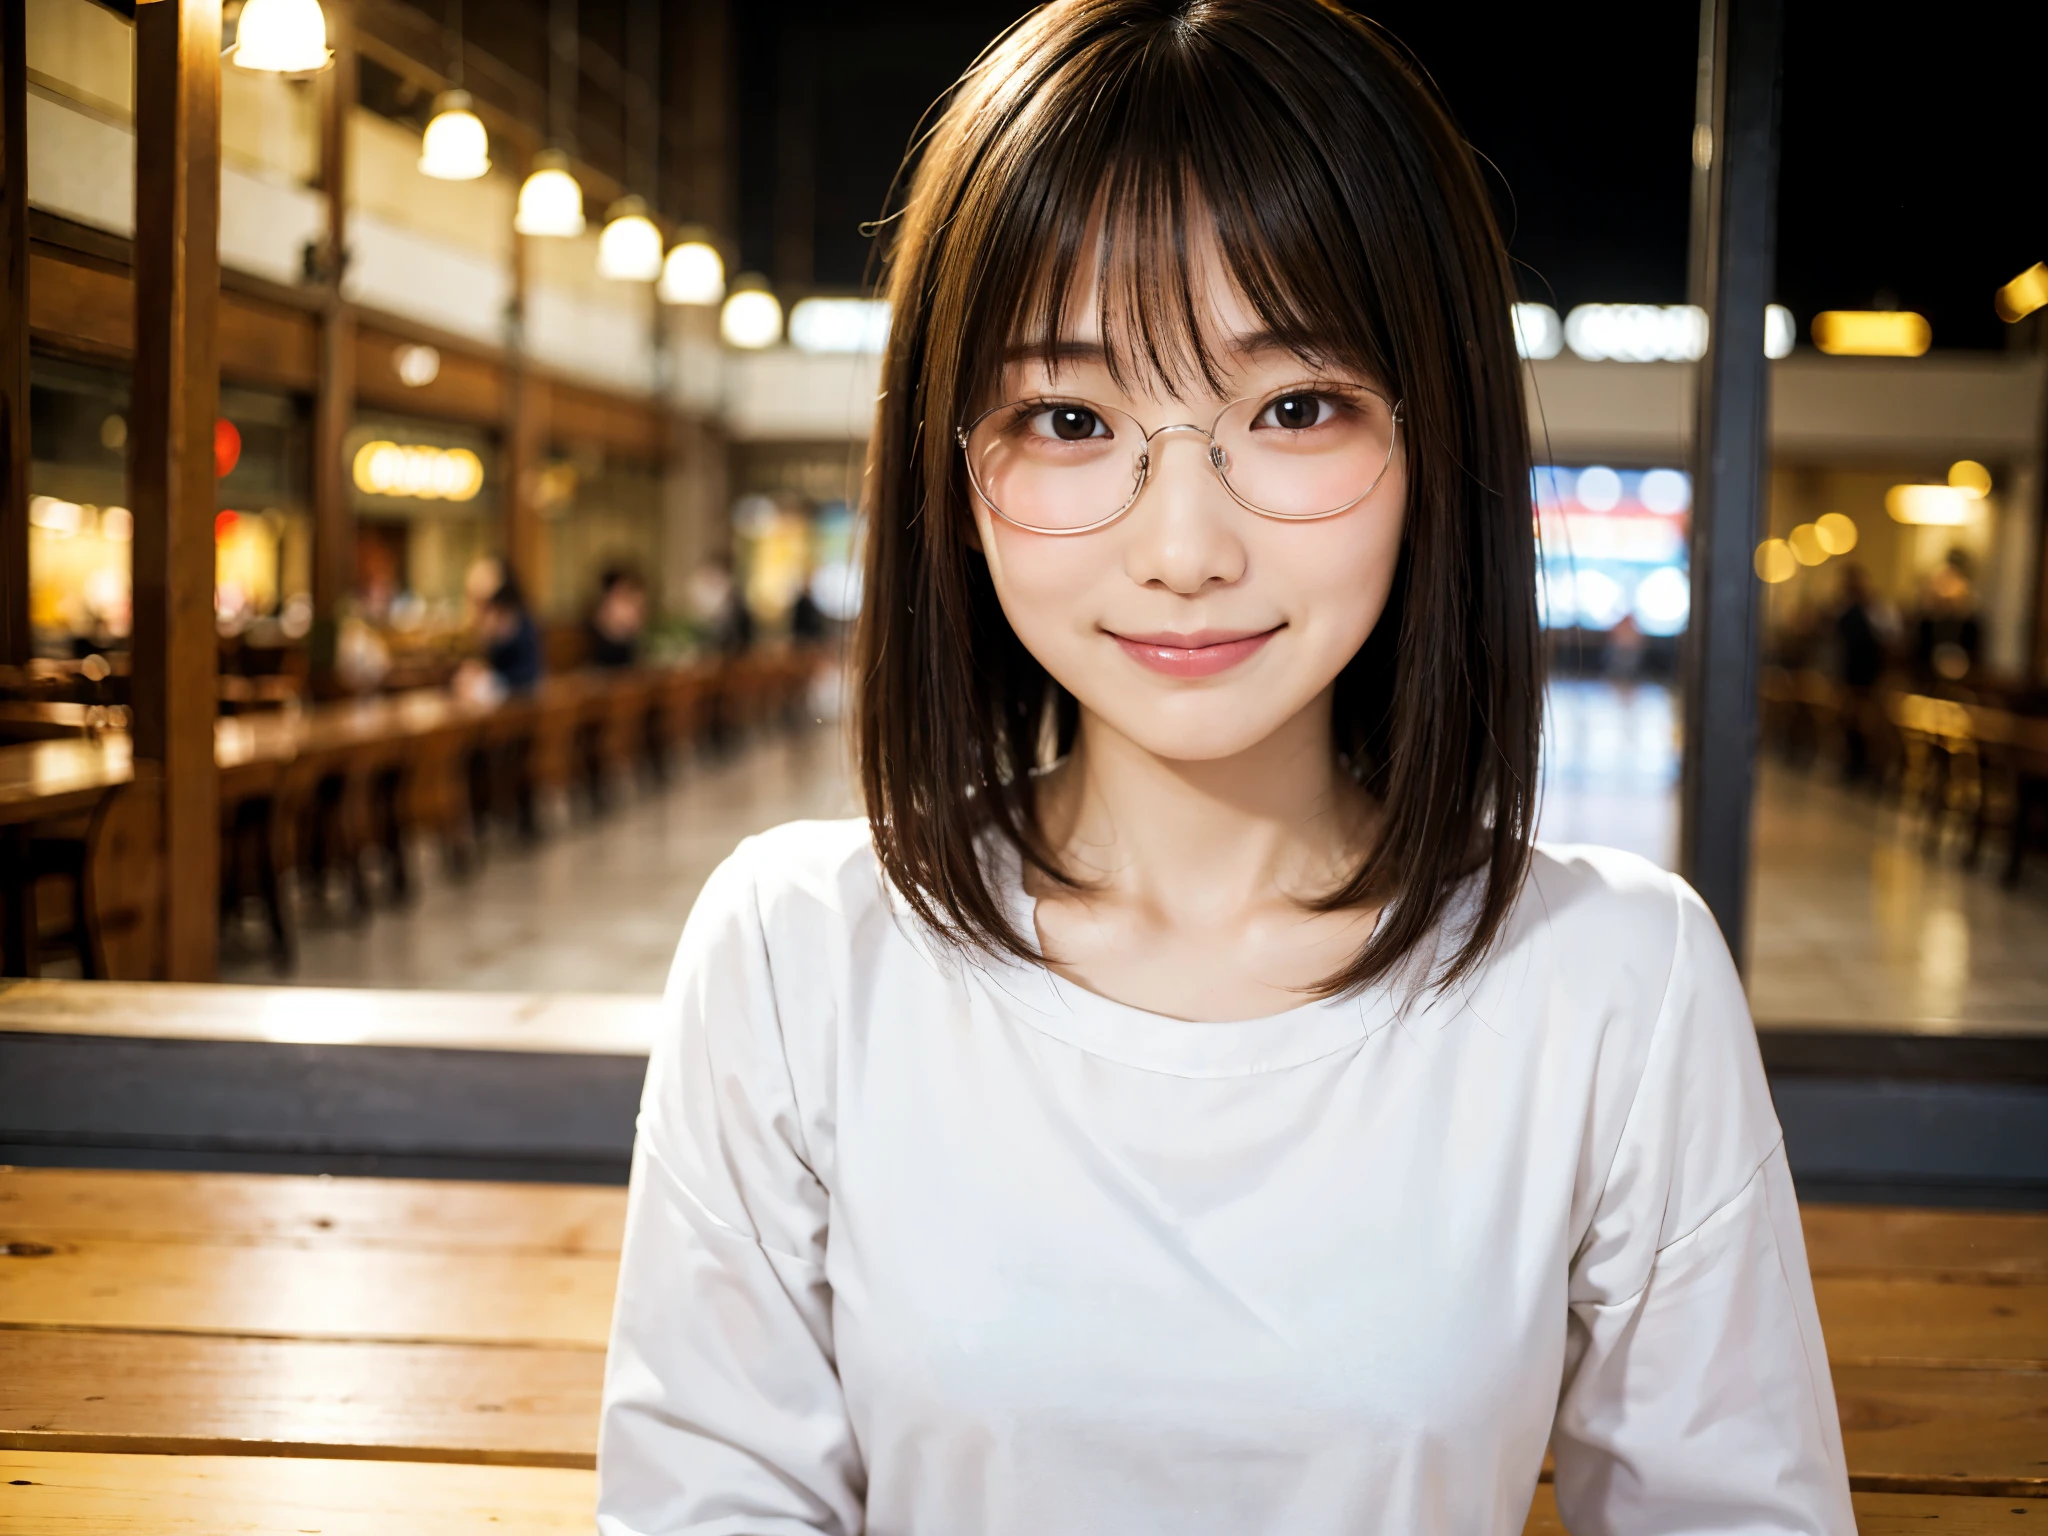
[1183, 536]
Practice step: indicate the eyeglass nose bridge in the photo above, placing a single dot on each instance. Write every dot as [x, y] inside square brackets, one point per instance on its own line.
[1219, 460]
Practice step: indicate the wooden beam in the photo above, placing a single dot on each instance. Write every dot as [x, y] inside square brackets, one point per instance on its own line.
[525, 434]
[175, 399]
[1734, 238]
[334, 526]
[14, 440]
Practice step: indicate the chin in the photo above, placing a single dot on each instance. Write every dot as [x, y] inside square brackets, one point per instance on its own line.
[1191, 725]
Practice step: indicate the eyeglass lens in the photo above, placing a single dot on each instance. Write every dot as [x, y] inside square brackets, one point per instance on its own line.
[1065, 465]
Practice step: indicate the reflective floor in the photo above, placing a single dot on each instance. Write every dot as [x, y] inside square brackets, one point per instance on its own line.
[1854, 921]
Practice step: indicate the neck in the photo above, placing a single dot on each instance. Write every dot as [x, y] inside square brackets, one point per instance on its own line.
[1203, 839]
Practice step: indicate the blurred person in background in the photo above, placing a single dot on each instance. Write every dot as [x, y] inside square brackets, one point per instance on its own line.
[1188, 1101]
[511, 639]
[618, 619]
[1946, 631]
[720, 607]
[1861, 649]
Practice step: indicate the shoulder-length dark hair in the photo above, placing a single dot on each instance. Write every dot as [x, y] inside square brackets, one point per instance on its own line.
[1350, 213]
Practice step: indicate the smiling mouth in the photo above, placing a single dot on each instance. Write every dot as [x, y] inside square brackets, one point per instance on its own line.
[1202, 654]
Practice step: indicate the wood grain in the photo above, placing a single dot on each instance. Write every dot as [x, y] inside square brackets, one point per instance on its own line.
[64, 1204]
[1877, 1514]
[1918, 1429]
[195, 1394]
[341, 1293]
[59, 1493]
[1890, 1240]
[1877, 1321]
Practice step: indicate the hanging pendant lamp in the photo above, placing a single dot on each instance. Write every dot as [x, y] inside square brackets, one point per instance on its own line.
[455, 146]
[694, 273]
[752, 317]
[629, 250]
[550, 202]
[282, 37]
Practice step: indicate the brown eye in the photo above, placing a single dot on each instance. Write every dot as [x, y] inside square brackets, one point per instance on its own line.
[1072, 423]
[1298, 411]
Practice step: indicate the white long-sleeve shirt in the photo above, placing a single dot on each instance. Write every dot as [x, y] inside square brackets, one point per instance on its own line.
[926, 1246]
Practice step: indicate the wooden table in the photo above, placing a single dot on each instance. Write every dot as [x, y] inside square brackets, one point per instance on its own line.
[465, 1322]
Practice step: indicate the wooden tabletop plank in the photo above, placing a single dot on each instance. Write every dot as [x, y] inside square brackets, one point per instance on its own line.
[40, 779]
[1905, 1429]
[1921, 1429]
[619, 1024]
[1877, 1321]
[1877, 1514]
[194, 1394]
[1895, 1240]
[55, 1205]
[60, 1493]
[64, 1493]
[259, 1291]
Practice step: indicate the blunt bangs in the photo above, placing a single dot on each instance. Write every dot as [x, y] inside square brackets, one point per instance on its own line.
[1131, 138]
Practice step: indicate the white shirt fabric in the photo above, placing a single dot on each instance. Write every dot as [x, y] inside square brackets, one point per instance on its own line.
[920, 1245]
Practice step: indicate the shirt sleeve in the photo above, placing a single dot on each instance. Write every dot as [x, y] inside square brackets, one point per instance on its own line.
[723, 1414]
[1696, 1394]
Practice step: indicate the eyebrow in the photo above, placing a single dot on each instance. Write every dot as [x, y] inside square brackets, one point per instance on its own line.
[1064, 351]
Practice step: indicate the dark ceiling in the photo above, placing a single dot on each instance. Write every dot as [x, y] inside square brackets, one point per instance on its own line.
[1911, 162]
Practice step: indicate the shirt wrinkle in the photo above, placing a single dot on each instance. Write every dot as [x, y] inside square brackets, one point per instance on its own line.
[1628, 1119]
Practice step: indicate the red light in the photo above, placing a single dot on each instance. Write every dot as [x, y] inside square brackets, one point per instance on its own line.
[227, 448]
[224, 525]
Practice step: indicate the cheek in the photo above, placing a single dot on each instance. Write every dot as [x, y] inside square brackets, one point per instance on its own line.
[1332, 578]
[1048, 587]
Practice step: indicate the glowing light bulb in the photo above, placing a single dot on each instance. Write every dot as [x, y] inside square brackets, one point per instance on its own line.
[455, 146]
[752, 317]
[283, 37]
[550, 202]
[692, 274]
[629, 250]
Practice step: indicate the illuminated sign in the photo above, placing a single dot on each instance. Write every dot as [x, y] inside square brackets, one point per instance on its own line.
[417, 470]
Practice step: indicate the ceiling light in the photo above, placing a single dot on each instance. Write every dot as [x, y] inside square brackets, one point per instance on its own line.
[416, 367]
[1871, 333]
[1637, 333]
[455, 146]
[283, 37]
[629, 250]
[1808, 547]
[1929, 506]
[550, 202]
[1781, 331]
[752, 318]
[839, 325]
[692, 274]
[1970, 477]
[2023, 295]
[1539, 334]
[1837, 532]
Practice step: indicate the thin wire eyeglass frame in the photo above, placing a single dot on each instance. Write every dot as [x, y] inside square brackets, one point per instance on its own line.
[1217, 460]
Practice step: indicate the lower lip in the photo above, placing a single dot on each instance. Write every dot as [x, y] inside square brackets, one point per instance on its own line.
[1194, 661]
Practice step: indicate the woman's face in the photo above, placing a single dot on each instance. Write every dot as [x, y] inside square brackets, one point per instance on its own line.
[1192, 625]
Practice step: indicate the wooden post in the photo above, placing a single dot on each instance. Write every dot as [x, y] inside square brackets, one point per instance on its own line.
[334, 525]
[1734, 247]
[14, 443]
[175, 399]
[524, 439]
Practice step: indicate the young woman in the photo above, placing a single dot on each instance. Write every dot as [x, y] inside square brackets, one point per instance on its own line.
[1187, 1102]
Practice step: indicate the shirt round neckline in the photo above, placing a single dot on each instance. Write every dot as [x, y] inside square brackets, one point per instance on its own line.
[1157, 1042]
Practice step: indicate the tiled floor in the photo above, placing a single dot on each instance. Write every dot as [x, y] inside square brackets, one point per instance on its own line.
[595, 907]
[1854, 923]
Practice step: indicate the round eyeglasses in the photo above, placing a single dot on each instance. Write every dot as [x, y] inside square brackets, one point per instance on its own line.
[1060, 466]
